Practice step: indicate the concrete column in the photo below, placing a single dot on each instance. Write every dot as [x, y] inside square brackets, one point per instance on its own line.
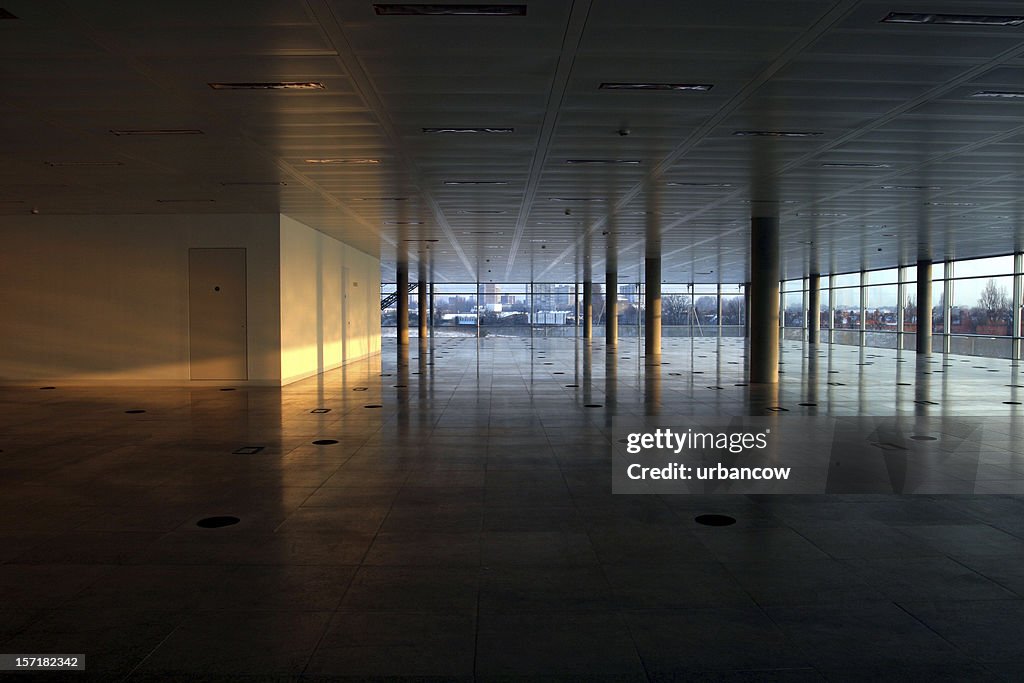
[652, 312]
[611, 316]
[588, 309]
[424, 307]
[814, 308]
[924, 306]
[402, 288]
[430, 306]
[764, 300]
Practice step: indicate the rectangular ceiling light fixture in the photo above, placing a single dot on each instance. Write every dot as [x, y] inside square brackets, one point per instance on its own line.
[854, 165]
[484, 129]
[952, 19]
[405, 9]
[475, 182]
[777, 133]
[603, 162]
[911, 187]
[156, 131]
[950, 204]
[700, 87]
[56, 164]
[342, 161]
[379, 199]
[273, 85]
[1006, 94]
[576, 199]
[254, 183]
[481, 212]
[699, 184]
[403, 222]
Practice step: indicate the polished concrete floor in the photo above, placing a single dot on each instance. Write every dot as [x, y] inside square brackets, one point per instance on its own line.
[463, 526]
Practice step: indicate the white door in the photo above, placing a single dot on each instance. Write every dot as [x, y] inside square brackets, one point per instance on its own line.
[216, 314]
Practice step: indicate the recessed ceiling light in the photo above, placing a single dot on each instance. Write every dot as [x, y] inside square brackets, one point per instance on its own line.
[1008, 94]
[956, 19]
[475, 182]
[699, 184]
[186, 201]
[4, 14]
[603, 162]
[481, 212]
[950, 204]
[156, 131]
[254, 183]
[911, 187]
[342, 161]
[484, 129]
[403, 222]
[854, 165]
[777, 133]
[277, 85]
[823, 214]
[577, 199]
[701, 87]
[447, 10]
[84, 163]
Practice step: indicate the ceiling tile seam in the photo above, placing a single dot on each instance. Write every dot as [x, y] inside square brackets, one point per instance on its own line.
[894, 113]
[111, 46]
[932, 93]
[571, 38]
[839, 12]
[363, 85]
[922, 165]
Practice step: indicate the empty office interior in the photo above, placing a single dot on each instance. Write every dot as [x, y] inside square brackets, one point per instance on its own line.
[355, 340]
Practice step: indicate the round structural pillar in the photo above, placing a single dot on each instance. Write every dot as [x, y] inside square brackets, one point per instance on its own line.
[764, 300]
[611, 308]
[814, 308]
[402, 289]
[652, 309]
[424, 308]
[924, 307]
[588, 309]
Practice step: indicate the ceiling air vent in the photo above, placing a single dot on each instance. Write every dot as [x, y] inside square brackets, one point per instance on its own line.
[952, 19]
[405, 9]
[663, 87]
[279, 85]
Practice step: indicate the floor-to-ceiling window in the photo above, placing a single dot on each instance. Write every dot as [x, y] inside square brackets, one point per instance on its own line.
[981, 307]
[881, 304]
[794, 306]
[846, 309]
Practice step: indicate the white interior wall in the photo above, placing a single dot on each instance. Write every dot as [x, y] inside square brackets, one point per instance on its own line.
[314, 337]
[105, 298]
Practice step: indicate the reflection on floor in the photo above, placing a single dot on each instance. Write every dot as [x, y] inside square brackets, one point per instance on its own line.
[462, 527]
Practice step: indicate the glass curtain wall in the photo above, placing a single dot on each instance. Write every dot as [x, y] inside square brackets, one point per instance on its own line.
[555, 309]
[976, 307]
[846, 309]
[794, 306]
